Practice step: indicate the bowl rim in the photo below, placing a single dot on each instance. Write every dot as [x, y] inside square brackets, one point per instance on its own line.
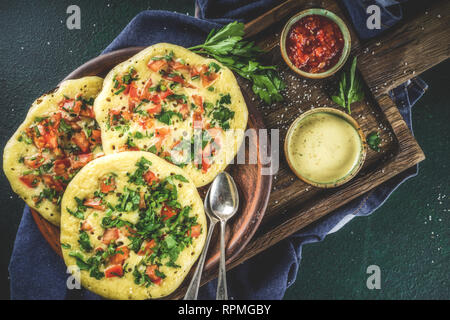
[345, 51]
[362, 155]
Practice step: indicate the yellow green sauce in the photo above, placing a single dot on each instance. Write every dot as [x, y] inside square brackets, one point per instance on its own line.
[324, 148]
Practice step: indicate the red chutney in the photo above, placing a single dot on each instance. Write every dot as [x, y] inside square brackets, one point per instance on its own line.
[314, 44]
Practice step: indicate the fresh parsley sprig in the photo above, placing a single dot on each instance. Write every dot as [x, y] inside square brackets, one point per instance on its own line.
[228, 47]
[349, 90]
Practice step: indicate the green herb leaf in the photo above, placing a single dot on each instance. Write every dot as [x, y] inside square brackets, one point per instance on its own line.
[374, 140]
[228, 47]
[349, 92]
[84, 242]
[166, 115]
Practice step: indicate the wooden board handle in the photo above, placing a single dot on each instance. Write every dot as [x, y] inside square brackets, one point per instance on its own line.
[275, 15]
[414, 46]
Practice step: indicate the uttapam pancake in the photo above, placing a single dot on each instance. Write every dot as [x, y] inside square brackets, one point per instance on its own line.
[58, 137]
[174, 103]
[134, 224]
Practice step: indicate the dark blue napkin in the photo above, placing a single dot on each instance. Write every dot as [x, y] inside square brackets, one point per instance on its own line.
[36, 272]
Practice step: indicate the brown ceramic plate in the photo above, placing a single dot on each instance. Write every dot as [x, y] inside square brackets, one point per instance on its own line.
[254, 187]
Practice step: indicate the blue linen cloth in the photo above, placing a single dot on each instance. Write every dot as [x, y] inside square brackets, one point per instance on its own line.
[36, 272]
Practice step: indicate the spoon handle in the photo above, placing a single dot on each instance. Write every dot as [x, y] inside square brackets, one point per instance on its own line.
[192, 290]
[222, 293]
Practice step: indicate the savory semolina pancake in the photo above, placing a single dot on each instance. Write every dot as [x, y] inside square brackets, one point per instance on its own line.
[58, 137]
[176, 104]
[134, 224]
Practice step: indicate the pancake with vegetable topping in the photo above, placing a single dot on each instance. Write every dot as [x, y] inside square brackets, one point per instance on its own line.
[134, 225]
[58, 137]
[176, 104]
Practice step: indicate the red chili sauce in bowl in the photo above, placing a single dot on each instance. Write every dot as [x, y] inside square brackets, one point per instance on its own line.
[314, 44]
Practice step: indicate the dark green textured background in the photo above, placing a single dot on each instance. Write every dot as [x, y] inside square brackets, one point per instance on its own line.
[408, 238]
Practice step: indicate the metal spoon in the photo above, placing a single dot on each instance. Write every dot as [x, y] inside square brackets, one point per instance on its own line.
[192, 291]
[224, 202]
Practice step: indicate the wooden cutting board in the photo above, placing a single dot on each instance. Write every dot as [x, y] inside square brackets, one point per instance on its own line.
[415, 45]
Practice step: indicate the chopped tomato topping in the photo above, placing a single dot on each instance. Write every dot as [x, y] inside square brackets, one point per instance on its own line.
[155, 99]
[86, 226]
[216, 134]
[167, 212]
[39, 141]
[165, 94]
[30, 180]
[195, 231]
[161, 134]
[145, 93]
[87, 111]
[122, 254]
[156, 109]
[53, 183]
[207, 76]
[150, 177]
[198, 102]
[127, 115]
[114, 271]
[94, 203]
[108, 184]
[67, 104]
[156, 65]
[133, 96]
[197, 121]
[132, 91]
[151, 273]
[110, 234]
[55, 120]
[174, 78]
[46, 135]
[147, 250]
[79, 138]
[127, 231]
[72, 123]
[184, 110]
[80, 160]
[34, 162]
[146, 123]
[207, 153]
[96, 137]
[51, 139]
[61, 167]
[175, 65]
[206, 164]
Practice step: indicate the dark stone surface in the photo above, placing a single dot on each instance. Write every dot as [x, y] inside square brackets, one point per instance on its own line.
[37, 51]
